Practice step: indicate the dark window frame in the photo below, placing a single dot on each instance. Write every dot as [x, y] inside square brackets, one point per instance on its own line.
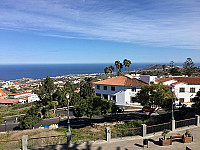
[133, 89]
[192, 90]
[182, 90]
[105, 88]
[112, 88]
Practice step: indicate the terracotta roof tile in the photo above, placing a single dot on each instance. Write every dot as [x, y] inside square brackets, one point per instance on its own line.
[188, 80]
[2, 93]
[20, 93]
[121, 81]
[9, 101]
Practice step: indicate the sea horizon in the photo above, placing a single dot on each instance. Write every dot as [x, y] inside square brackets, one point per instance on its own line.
[39, 71]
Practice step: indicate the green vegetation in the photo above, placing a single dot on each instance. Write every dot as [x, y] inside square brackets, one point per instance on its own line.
[17, 109]
[165, 133]
[30, 119]
[92, 106]
[196, 99]
[155, 95]
[189, 67]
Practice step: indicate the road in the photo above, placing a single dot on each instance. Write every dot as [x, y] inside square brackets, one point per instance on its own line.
[12, 124]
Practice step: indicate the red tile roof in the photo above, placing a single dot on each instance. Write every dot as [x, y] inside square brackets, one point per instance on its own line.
[121, 81]
[188, 80]
[164, 79]
[9, 101]
[19, 93]
[2, 93]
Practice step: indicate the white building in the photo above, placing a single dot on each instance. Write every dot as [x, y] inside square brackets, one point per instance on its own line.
[19, 95]
[185, 88]
[121, 90]
[33, 98]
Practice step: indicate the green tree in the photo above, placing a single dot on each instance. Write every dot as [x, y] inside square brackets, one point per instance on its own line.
[155, 95]
[92, 106]
[106, 70]
[86, 88]
[111, 68]
[171, 64]
[164, 67]
[30, 119]
[117, 65]
[175, 71]
[196, 100]
[125, 62]
[188, 67]
[128, 64]
[60, 94]
[46, 91]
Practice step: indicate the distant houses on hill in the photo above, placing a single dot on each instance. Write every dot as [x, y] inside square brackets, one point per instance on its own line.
[25, 97]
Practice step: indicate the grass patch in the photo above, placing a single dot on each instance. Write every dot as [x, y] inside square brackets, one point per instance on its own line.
[10, 110]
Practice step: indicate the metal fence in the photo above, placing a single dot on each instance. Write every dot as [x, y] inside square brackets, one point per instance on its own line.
[158, 127]
[125, 132]
[46, 141]
[185, 122]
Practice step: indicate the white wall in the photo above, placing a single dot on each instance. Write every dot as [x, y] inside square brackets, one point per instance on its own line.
[147, 78]
[123, 93]
[187, 94]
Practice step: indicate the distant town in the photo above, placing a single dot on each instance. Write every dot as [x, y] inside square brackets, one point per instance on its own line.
[156, 95]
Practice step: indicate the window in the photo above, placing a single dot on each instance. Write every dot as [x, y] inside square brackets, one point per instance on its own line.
[192, 90]
[133, 89]
[98, 87]
[181, 100]
[182, 90]
[98, 94]
[133, 99]
[112, 88]
[113, 98]
[191, 99]
[105, 96]
[105, 87]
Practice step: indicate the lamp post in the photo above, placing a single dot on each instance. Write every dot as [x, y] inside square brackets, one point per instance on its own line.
[173, 121]
[5, 124]
[172, 103]
[68, 122]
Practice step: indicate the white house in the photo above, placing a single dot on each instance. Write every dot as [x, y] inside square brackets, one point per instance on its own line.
[19, 95]
[121, 90]
[185, 88]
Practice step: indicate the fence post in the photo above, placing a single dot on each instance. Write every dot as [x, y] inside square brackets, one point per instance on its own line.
[108, 134]
[197, 120]
[173, 125]
[143, 130]
[25, 142]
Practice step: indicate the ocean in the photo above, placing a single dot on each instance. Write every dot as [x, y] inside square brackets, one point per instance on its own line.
[38, 71]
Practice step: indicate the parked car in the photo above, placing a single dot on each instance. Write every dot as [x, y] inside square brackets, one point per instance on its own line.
[149, 109]
[178, 106]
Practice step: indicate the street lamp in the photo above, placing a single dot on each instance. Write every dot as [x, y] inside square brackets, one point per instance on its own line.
[68, 122]
[172, 90]
[5, 124]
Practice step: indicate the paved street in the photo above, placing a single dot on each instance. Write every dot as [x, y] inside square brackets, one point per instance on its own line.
[11, 123]
[135, 143]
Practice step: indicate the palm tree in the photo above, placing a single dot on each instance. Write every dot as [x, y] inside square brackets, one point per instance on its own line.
[106, 70]
[125, 62]
[117, 64]
[128, 64]
[120, 66]
[111, 68]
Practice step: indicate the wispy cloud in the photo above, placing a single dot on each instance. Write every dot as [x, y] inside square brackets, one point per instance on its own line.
[159, 23]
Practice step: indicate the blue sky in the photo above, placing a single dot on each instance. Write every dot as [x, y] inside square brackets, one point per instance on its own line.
[98, 31]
